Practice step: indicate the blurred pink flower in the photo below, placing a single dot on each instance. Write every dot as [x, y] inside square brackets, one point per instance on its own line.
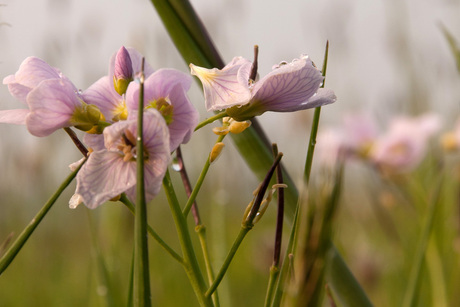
[405, 143]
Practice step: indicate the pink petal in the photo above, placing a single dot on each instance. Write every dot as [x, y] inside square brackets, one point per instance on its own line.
[226, 87]
[184, 120]
[104, 176]
[52, 105]
[17, 117]
[289, 88]
[103, 95]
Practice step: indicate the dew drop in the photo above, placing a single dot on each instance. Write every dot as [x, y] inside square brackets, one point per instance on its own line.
[175, 165]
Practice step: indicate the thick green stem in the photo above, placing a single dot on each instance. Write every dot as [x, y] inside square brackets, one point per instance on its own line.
[11, 253]
[190, 262]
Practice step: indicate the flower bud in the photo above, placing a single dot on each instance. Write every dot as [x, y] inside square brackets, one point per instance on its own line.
[123, 73]
[238, 127]
[215, 152]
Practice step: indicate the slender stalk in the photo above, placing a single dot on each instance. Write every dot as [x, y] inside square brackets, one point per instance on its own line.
[152, 232]
[211, 120]
[246, 226]
[76, 141]
[274, 269]
[199, 183]
[141, 260]
[190, 262]
[201, 231]
[236, 244]
[14, 249]
[199, 227]
[314, 125]
[410, 297]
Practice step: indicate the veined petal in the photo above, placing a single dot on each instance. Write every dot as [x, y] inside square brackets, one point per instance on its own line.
[103, 95]
[322, 97]
[287, 87]
[31, 72]
[94, 141]
[184, 120]
[17, 117]
[52, 105]
[104, 176]
[226, 87]
[157, 85]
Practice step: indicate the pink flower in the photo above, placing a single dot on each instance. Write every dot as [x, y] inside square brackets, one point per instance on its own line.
[30, 74]
[165, 90]
[289, 87]
[112, 170]
[404, 145]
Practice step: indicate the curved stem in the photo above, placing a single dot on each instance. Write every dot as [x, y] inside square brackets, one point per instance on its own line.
[236, 244]
[11, 253]
[211, 120]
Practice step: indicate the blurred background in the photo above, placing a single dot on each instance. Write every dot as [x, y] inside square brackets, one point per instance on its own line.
[386, 57]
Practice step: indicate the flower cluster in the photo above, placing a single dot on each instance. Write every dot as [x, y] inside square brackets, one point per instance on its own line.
[107, 112]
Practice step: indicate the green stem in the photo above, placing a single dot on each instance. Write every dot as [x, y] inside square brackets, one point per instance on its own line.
[201, 230]
[410, 297]
[236, 244]
[199, 183]
[190, 262]
[152, 232]
[11, 253]
[211, 120]
[247, 224]
[274, 273]
[314, 125]
[141, 260]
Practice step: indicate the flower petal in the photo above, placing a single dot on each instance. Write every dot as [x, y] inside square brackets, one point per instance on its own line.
[31, 72]
[17, 117]
[156, 86]
[104, 176]
[103, 95]
[52, 105]
[184, 120]
[288, 87]
[226, 87]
